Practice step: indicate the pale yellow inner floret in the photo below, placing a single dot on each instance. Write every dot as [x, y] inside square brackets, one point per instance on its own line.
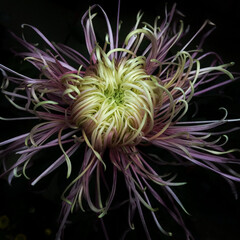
[115, 101]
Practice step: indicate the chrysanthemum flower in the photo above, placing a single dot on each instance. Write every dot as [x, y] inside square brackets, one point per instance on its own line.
[119, 100]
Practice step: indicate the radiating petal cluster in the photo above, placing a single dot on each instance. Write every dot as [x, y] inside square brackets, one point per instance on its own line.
[109, 106]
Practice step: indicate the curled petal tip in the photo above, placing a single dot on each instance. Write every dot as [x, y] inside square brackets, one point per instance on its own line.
[211, 23]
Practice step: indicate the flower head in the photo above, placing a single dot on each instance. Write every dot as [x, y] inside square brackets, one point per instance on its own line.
[119, 100]
[114, 101]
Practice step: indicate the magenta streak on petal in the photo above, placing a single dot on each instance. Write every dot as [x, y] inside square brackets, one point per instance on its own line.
[136, 199]
[2, 67]
[173, 148]
[109, 30]
[15, 139]
[57, 162]
[89, 33]
[73, 54]
[45, 39]
[117, 29]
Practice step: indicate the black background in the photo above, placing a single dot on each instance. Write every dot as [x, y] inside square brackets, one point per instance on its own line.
[215, 214]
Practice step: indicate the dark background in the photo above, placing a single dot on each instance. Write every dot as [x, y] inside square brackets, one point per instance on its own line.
[215, 214]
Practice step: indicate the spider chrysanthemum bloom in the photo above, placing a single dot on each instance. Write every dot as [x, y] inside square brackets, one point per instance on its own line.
[119, 100]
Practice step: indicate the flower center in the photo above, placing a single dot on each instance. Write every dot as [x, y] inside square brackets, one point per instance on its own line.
[115, 102]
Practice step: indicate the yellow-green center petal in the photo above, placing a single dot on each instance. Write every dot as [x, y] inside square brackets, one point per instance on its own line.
[115, 101]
